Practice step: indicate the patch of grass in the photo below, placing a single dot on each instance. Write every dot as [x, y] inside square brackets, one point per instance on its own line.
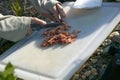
[8, 73]
[16, 7]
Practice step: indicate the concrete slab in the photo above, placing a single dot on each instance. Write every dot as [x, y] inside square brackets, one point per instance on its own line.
[60, 62]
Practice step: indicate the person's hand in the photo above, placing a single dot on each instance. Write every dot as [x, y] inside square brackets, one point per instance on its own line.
[35, 20]
[57, 13]
[61, 12]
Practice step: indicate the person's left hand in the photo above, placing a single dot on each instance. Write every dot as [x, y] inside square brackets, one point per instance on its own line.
[57, 13]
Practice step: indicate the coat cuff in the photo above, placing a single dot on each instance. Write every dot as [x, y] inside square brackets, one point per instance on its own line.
[14, 28]
[26, 21]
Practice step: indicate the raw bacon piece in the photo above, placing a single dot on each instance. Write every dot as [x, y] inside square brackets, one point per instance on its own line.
[59, 35]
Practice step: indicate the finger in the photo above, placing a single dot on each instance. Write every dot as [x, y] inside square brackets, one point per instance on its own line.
[55, 14]
[38, 21]
[61, 11]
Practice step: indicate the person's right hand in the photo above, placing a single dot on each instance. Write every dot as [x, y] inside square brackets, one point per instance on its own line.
[35, 20]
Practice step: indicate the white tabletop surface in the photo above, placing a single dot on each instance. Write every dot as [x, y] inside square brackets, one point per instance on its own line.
[60, 62]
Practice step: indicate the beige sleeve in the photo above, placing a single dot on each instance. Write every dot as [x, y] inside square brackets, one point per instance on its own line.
[44, 6]
[14, 28]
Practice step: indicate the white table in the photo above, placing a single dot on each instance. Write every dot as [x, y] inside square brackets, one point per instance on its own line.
[60, 62]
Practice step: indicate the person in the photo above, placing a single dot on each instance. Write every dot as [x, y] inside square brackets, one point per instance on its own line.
[15, 28]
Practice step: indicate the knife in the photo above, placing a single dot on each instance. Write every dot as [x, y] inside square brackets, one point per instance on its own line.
[37, 27]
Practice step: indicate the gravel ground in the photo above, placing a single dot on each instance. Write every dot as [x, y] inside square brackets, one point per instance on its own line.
[94, 67]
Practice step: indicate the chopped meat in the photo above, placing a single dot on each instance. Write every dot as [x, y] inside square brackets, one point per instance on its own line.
[59, 35]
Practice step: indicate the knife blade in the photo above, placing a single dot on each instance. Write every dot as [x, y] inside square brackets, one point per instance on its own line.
[52, 24]
[37, 27]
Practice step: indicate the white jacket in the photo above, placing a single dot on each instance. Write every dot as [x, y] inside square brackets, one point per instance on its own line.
[15, 28]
